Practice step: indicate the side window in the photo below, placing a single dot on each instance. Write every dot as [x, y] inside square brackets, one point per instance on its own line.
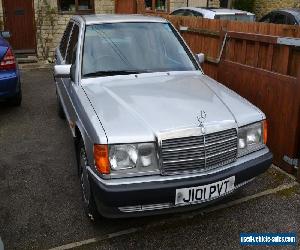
[291, 20]
[71, 55]
[179, 12]
[267, 18]
[197, 14]
[65, 39]
[279, 18]
[188, 13]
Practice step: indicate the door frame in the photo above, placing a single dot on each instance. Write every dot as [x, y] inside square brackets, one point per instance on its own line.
[23, 51]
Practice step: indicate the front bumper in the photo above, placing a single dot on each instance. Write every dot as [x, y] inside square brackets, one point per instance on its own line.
[158, 197]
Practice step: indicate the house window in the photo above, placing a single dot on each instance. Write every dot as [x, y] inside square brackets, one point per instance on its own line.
[156, 5]
[76, 6]
[148, 4]
[160, 5]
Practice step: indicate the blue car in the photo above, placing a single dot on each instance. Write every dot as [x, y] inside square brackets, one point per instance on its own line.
[10, 84]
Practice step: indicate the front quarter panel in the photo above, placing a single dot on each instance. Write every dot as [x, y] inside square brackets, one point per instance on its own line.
[88, 122]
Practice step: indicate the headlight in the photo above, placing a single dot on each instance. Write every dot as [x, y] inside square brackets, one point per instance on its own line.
[133, 158]
[252, 138]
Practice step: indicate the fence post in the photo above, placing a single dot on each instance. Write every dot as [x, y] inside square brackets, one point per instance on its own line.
[298, 170]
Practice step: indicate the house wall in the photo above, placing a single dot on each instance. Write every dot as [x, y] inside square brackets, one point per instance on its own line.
[262, 7]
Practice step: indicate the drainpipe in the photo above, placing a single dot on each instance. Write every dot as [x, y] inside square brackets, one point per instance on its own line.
[187, 3]
[207, 3]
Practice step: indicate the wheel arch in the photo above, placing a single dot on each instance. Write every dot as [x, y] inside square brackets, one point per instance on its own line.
[80, 134]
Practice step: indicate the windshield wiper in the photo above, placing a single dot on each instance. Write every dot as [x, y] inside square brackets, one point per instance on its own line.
[115, 72]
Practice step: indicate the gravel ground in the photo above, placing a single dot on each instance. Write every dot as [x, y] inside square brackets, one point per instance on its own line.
[40, 203]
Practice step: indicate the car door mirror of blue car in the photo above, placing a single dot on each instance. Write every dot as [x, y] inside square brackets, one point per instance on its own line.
[62, 71]
[200, 58]
[5, 34]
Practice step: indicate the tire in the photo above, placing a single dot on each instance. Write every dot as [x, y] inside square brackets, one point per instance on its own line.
[88, 200]
[60, 110]
[16, 100]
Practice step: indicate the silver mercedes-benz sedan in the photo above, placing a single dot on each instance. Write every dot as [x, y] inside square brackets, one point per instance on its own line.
[153, 133]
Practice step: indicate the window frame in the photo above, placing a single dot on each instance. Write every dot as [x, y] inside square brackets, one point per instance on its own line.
[67, 39]
[75, 46]
[77, 11]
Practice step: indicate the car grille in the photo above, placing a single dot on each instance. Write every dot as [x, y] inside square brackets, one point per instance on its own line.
[198, 153]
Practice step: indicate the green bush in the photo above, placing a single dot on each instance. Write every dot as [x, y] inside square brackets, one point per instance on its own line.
[247, 5]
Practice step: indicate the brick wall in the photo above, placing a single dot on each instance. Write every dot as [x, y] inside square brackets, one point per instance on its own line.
[262, 7]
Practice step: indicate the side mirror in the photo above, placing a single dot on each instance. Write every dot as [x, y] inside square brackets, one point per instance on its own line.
[200, 58]
[62, 71]
[5, 34]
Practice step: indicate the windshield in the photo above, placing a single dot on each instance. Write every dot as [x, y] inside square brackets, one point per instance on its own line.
[120, 48]
[237, 17]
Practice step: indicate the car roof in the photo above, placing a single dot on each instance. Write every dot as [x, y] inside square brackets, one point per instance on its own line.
[293, 11]
[216, 11]
[111, 18]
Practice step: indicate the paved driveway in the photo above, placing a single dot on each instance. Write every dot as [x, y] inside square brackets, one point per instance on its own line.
[40, 203]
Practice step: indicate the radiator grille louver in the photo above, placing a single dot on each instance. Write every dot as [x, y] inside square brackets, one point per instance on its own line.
[199, 153]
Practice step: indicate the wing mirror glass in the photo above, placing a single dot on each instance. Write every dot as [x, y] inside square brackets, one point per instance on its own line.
[62, 71]
[200, 58]
[5, 34]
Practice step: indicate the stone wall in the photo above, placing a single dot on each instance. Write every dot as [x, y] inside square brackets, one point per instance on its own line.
[1, 16]
[262, 7]
[51, 24]
[104, 6]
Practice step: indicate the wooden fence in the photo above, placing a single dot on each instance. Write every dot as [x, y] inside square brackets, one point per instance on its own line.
[258, 63]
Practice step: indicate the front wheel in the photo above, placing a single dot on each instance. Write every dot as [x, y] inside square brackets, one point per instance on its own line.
[89, 204]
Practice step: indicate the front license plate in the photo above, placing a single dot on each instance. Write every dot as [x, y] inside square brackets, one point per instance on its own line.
[204, 193]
